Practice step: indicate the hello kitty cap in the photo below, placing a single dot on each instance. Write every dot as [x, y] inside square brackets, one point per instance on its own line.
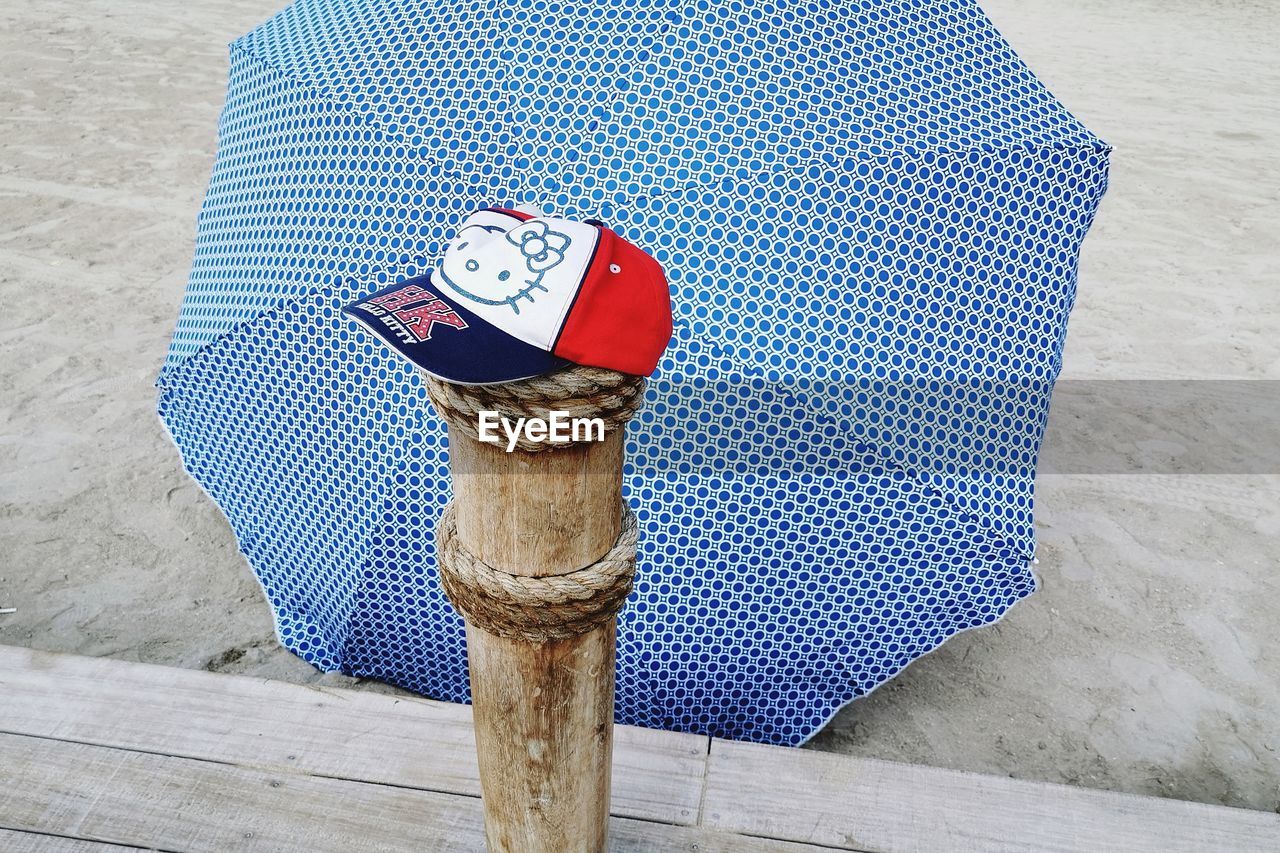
[519, 295]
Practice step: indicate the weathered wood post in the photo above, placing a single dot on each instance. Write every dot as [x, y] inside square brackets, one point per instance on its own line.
[537, 551]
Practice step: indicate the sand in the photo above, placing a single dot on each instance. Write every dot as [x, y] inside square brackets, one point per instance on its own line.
[1148, 662]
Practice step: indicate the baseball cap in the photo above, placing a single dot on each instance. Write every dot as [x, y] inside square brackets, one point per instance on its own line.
[518, 294]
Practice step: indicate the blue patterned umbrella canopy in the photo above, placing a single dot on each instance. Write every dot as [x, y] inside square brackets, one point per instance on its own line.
[870, 214]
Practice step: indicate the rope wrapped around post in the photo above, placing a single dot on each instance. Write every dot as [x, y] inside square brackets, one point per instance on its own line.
[538, 609]
[580, 392]
[538, 552]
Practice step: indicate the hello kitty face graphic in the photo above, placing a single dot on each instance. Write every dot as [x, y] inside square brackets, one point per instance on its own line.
[484, 268]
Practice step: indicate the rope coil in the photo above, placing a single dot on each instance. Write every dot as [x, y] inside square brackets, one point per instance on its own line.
[580, 392]
[536, 609]
[557, 607]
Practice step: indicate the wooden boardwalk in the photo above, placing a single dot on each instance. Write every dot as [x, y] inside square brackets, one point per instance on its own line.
[100, 755]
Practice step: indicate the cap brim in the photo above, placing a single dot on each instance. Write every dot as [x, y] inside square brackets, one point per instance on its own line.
[446, 340]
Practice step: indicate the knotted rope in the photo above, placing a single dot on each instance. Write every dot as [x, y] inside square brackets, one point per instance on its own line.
[580, 392]
[535, 609]
[538, 609]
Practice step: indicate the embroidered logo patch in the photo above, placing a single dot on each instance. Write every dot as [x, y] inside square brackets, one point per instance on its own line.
[412, 313]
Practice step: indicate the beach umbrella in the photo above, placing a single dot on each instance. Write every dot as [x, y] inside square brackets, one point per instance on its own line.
[870, 215]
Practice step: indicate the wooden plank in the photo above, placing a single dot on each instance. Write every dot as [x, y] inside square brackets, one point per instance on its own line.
[179, 804]
[267, 763]
[879, 806]
[346, 734]
[30, 842]
[634, 836]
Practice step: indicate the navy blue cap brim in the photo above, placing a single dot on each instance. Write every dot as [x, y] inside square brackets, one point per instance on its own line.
[446, 340]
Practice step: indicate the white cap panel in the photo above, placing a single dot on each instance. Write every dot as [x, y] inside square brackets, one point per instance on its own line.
[522, 281]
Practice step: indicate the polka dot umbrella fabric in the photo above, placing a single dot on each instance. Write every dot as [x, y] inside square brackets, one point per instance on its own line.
[870, 214]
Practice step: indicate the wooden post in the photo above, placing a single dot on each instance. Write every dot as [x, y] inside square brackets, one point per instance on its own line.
[543, 708]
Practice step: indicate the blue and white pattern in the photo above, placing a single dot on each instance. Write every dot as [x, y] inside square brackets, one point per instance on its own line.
[870, 214]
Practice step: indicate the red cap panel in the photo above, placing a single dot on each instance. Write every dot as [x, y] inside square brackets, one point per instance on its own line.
[621, 318]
